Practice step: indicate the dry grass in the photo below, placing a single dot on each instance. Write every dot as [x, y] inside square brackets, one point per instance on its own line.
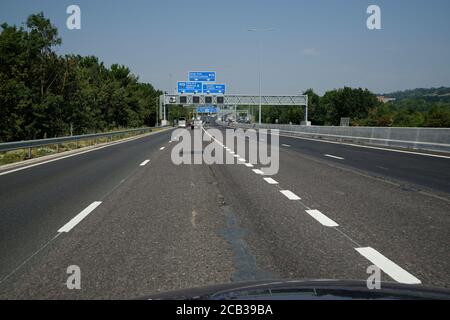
[22, 154]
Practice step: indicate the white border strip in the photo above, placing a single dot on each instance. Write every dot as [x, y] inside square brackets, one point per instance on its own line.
[323, 219]
[83, 214]
[390, 268]
[331, 156]
[290, 195]
[270, 181]
[366, 146]
[79, 153]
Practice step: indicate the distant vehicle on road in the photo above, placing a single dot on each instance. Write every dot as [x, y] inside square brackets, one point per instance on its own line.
[243, 120]
[182, 123]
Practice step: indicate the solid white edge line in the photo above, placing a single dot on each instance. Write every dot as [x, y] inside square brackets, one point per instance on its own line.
[144, 163]
[368, 147]
[364, 146]
[75, 220]
[389, 267]
[72, 155]
[257, 171]
[323, 219]
[290, 195]
[270, 181]
[335, 157]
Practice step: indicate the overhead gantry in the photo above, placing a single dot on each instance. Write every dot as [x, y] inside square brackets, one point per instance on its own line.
[230, 99]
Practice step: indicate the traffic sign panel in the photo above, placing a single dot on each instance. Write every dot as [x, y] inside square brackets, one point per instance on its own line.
[189, 87]
[202, 76]
[213, 88]
[206, 109]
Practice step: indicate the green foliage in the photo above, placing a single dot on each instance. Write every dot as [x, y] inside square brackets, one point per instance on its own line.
[364, 109]
[432, 94]
[347, 102]
[176, 112]
[283, 114]
[410, 113]
[44, 95]
[316, 110]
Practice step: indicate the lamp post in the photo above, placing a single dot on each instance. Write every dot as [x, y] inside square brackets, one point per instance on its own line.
[260, 63]
[157, 113]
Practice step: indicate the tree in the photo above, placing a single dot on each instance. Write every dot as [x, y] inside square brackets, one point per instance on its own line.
[43, 94]
[316, 112]
[348, 102]
[438, 116]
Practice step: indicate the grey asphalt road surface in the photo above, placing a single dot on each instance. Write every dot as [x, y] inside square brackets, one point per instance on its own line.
[144, 225]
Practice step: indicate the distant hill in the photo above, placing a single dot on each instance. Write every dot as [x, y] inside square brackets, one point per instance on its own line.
[431, 94]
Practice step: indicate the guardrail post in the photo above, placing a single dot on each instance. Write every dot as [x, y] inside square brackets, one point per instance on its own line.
[29, 153]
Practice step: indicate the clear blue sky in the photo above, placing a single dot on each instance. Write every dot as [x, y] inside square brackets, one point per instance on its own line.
[322, 44]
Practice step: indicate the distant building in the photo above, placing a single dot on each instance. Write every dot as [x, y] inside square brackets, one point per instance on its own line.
[385, 99]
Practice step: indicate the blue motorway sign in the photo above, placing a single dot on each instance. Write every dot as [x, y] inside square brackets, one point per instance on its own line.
[202, 76]
[207, 109]
[213, 88]
[189, 87]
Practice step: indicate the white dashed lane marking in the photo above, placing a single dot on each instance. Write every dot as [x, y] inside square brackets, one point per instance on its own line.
[390, 268]
[323, 219]
[334, 157]
[72, 223]
[144, 163]
[270, 181]
[290, 195]
[162, 148]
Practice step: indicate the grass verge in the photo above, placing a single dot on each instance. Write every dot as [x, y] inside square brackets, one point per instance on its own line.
[23, 154]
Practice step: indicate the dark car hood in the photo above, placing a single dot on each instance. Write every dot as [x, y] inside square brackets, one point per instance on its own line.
[304, 290]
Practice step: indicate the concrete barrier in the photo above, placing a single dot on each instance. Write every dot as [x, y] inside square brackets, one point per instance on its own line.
[430, 139]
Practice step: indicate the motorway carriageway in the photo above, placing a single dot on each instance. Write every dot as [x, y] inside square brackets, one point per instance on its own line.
[136, 224]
